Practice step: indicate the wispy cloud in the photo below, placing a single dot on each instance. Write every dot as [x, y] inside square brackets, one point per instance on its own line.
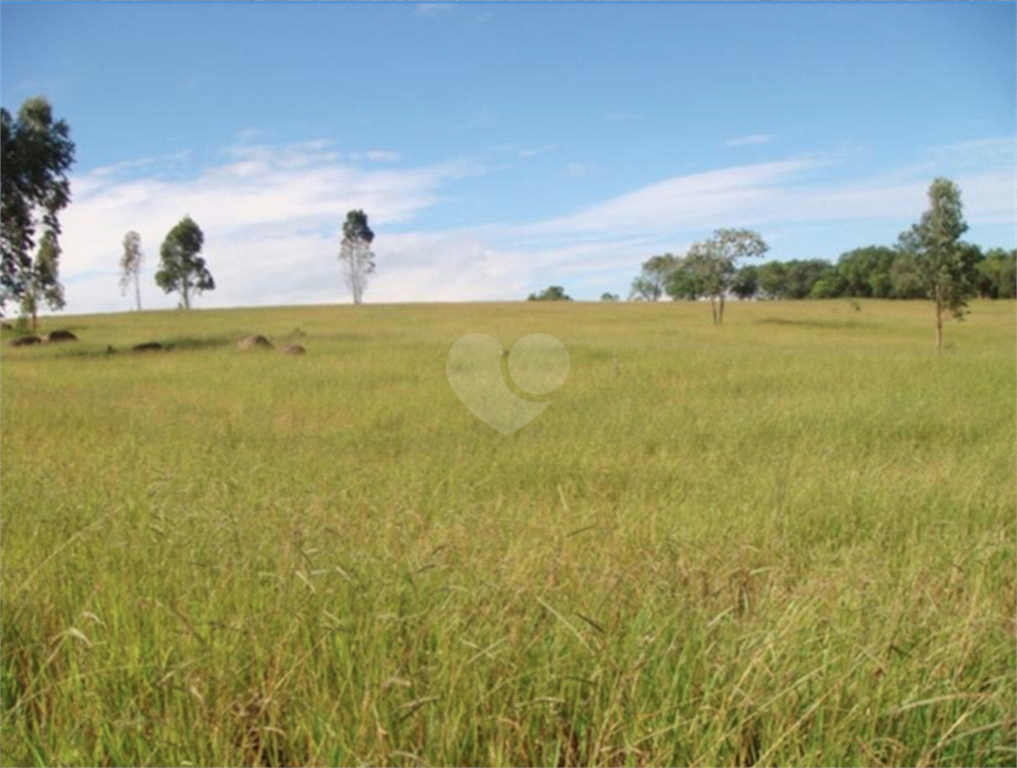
[382, 156]
[534, 151]
[272, 215]
[432, 9]
[756, 138]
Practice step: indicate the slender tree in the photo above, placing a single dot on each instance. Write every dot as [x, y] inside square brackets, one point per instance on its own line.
[36, 155]
[130, 265]
[41, 279]
[355, 253]
[714, 263]
[183, 270]
[945, 266]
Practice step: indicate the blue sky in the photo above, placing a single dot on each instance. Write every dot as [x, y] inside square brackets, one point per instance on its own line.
[498, 148]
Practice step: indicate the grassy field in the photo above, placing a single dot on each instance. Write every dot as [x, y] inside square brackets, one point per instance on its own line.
[787, 540]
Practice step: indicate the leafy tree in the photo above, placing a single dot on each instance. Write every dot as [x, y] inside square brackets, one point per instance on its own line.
[35, 155]
[905, 279]
[746, 282]
[552, 293]
[800, 277]
[652, 280]
[998, 274]
[183, 270]
[610, 297]
[130, 265]
[866, 271]
[683, 283]
[355, 253]
[41, 282]
[714, 262]
[946, 266]
[772, 277]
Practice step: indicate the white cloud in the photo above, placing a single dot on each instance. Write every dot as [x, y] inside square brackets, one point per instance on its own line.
[382, 156]
[756, 138]
[534, 151]
[272, 217]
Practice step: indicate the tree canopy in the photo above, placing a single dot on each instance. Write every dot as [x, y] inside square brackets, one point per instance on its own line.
[552, 293]
[355, 253]
[36, 152]
[182, 270]
[651, 282]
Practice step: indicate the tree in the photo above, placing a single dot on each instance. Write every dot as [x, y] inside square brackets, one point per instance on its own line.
[130, 265]
[552, 293]
[946, 267]
[905, 278]
[714, 262]
[746, 282]
[183, 270]
[683, 282]
[772, 278]
[998, 274]
[35, 155]
[652, 280]
[866, 271]
[355, 253]
[41, 283]
[607, 296]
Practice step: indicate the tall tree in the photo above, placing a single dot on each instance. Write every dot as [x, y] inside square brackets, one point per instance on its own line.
[130, 265]
[714, 263]
[35, 155]
[652, 280]
[183, 270]
[355, 253]
[41, 279]
[946, 267]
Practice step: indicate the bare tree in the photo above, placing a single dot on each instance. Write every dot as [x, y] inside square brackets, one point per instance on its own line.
[130, 265]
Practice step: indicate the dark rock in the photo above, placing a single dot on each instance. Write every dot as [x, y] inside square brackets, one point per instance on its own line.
[24, 341]
[61, 336]
[148, 346]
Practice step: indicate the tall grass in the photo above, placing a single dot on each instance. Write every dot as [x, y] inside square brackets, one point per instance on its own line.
[787, 540]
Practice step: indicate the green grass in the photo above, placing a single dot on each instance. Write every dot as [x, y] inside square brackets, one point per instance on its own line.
[789, 540]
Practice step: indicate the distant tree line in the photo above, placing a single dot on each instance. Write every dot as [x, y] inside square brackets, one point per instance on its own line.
[875, 271]
[929, 261]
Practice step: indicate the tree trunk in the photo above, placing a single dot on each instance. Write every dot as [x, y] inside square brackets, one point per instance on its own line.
[939, 323]
[720, 318]
[713, 308]
[137, 290]
[187, 298]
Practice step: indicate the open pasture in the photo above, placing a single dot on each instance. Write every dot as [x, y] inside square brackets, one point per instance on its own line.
[786, 540]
